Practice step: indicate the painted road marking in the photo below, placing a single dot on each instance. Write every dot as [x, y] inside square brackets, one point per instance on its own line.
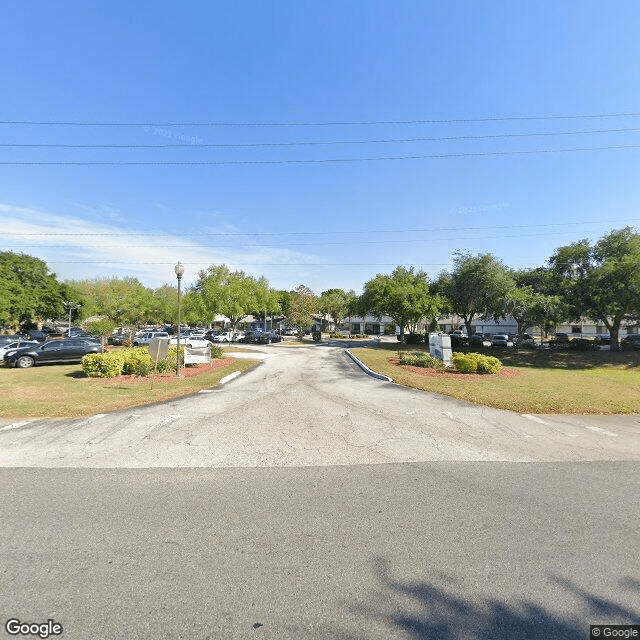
[604, 432]
[205, 391]
[448, 414]
[163, 423]
[534, 418]
[231, 376]
[16, 425]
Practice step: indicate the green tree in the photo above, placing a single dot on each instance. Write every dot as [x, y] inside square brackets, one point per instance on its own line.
[601, 282]
[103, 328]
[304, 303]
[335, 303]
[231, 293]
[404, 296]
[478, 287]
[28, 291]
[530, 308]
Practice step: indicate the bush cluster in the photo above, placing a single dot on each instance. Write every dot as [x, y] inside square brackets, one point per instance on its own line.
[413, 338]
[419, 359]
[103, 365]
[135, 361]
[476, 363]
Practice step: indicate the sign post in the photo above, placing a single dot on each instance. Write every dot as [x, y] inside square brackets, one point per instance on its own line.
[440, 347]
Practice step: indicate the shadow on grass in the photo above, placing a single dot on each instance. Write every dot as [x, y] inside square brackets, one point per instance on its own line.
[436, 610]
[543, 359]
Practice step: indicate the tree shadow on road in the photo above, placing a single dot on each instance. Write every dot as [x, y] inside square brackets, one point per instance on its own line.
[438, 610]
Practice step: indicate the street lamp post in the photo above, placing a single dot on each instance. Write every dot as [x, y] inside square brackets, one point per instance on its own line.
[71, 306]
[179, 269]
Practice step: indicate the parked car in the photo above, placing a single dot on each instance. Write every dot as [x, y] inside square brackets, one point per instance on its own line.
[631, 342]
[11, 338]
[118, 339]
[5, 347]
[191, 341]
[251, 337]
[602, 339]
[527, 341]
[225, 336]
[500, 340]
[582, 344]
[52, 351]
[477, 340]
[148, 336]
[267, 337]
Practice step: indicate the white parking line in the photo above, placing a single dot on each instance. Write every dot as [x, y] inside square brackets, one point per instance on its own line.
[16, 425]
[534, 418]
[604, 432]
[231, 376]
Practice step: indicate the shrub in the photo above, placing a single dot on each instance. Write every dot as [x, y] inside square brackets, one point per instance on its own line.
[137, 361]
[413, 338]
[476, 363]
[217, 353]
[419, 359]
[103, 365]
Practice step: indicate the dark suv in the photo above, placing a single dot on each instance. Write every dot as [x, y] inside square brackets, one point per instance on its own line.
[53, 351]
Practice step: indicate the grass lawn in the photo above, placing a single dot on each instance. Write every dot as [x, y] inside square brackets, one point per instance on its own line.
[63, 391]
[597, 382]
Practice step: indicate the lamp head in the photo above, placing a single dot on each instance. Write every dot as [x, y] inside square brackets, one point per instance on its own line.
[179, 269]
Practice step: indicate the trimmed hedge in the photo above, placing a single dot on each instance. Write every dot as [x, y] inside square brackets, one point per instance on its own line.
[136, 361]
[103, 365]
[419, 359]
[476, 363]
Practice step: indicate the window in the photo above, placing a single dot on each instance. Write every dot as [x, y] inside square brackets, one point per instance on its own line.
[576, 329]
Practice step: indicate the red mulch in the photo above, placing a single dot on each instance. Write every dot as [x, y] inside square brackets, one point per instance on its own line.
[185, 372]
[505, 372]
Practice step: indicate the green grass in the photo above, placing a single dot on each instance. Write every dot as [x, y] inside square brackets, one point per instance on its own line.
[57, 391]
[598, 382]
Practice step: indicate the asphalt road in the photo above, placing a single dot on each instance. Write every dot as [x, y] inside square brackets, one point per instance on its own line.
[432, 550]
[312, 406]
[305, 500]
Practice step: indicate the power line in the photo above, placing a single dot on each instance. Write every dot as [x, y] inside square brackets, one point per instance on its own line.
[318, 161]
[319, 233]
[290, 244]
[317, 124]
[313, 142]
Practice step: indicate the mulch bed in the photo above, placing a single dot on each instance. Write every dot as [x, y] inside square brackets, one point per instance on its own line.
[505, 372]
[185, 372]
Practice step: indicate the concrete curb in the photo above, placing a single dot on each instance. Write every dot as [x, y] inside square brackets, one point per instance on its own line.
[366, 369]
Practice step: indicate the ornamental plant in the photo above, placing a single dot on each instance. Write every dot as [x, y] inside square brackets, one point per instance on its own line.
[103, 365]
[476, 363]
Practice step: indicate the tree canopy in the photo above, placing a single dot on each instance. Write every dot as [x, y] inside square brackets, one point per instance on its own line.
[404, 296]
[601, 282]
[479, 286]
[29, 292]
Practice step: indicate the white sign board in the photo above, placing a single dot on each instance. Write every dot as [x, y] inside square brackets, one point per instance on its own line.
[440, 347]
[197, 355]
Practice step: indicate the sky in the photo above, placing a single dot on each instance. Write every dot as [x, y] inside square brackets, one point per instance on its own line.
[316, 143]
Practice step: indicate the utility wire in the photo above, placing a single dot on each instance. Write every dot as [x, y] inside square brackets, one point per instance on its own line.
[288, 245]
[320, 233]
[77, 123]
[313, 142]
[318, 161]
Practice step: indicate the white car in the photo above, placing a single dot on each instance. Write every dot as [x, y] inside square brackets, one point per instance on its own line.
[225, 336]
[148, 336]
[18, 344]
[191, 342]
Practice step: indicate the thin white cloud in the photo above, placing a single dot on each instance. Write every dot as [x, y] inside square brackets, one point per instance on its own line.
[76, 248]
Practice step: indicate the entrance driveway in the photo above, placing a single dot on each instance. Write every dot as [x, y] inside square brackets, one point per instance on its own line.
[312, 406]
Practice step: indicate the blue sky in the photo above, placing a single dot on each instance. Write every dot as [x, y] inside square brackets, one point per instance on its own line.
[473, 68]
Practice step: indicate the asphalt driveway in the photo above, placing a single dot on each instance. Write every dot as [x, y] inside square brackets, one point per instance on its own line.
[311, 406]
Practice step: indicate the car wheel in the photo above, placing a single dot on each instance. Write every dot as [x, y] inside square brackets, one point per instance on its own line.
[24, 362]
